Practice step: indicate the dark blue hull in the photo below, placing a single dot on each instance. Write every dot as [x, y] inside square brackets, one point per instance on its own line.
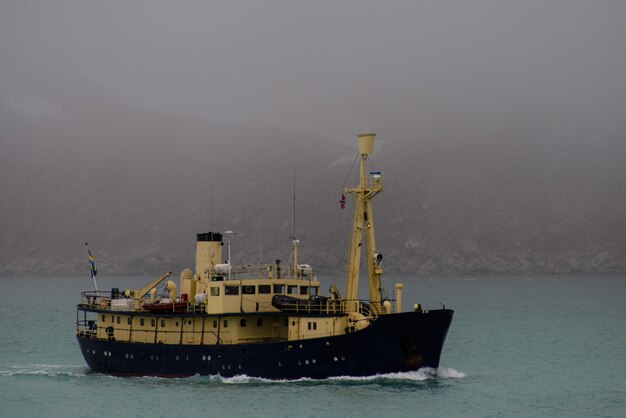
[392, 343]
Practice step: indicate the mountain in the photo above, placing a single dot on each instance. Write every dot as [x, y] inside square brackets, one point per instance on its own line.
[78, 165]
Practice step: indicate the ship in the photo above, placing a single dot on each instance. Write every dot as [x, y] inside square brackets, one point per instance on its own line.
[267, 320]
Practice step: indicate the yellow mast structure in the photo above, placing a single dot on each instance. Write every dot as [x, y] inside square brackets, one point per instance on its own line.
[363, 226]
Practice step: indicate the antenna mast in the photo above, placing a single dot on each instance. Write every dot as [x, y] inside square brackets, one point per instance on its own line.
[363, 224]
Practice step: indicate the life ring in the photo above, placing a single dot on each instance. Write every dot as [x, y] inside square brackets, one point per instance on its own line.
[104, 304]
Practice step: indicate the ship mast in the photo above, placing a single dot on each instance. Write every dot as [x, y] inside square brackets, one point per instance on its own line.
[363, 226]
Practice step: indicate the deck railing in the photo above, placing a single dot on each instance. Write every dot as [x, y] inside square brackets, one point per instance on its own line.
[102, 300]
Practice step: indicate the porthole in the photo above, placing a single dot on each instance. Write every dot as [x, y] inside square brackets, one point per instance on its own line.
[126, 355]
[187, 357]
[203, 358]
[132, 356]
[313, 361]
[229, 367]
[299, 363]
[280, 364]
[208, 358]
[223, 367]
[306, 361]
[240, 367]
[335, 358]
[156, 357]
[177, 358]
[151, 357]
[343, 358]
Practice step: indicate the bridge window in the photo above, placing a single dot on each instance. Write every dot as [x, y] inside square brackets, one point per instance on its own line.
[231, 290]
[248, 290]
[279, 288]
[215, 291]
[292, 289]
[265, 289]
[304, 290]
[314, 291]
[242, 322]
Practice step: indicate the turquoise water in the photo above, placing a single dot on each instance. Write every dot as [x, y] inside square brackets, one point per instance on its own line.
[518, 347]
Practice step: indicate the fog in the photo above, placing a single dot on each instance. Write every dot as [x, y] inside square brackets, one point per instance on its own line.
[134, 125]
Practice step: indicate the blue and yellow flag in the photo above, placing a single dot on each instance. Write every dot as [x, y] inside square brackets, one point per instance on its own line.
[92, 263]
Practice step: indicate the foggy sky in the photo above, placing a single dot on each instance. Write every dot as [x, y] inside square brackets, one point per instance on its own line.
[332, 68]
[503, 119]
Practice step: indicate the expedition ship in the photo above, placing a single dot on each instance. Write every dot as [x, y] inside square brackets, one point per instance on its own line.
[264, 321]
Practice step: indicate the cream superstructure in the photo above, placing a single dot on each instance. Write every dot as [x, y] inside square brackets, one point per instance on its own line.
[221, 303]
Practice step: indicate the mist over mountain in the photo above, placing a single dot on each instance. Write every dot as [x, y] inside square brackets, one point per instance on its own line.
[138, 184]
[134, 126]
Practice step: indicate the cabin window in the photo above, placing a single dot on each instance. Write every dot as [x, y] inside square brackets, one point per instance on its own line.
[314, 325]
[215, 291]
[152, 322]
[279, 288]
[242, 322]
[309, 325]
[231, 290]
[141, 322]
[162, 323]
[128, 320]
[265, 289]
[292, 289]
[103, 318]
[248, 290]
[226, 323]
[176, 323]
[259, 322]
[304, 290]
[119, 319]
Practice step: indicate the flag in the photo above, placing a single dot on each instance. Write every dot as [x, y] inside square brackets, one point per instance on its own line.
[92, 263]
[342, 202]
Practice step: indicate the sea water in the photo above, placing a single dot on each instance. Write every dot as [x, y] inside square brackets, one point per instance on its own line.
[517, 347]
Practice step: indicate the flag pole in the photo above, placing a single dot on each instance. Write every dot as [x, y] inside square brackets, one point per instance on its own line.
[92, 268]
